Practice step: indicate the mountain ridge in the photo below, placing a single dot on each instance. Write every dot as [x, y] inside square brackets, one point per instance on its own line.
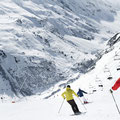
[49, 41]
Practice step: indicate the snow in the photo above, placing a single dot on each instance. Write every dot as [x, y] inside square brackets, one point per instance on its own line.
[101, 106]
[43, 39]
[65, 33]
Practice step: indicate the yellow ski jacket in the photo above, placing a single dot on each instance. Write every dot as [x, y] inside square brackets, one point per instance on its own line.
[68, 94]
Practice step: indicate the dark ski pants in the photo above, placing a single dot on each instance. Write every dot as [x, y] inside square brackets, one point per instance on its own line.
[74, 106]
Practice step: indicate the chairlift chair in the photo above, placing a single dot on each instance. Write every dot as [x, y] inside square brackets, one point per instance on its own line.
[117, 57]
[100, 85]
[118, 68]
[94, 90]
[109, 78]
[106, 69]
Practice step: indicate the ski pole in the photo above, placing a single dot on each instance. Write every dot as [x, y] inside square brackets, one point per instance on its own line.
[61, 105]
[83, 104]
[115, 103]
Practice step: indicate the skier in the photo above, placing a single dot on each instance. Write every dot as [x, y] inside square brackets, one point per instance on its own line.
[68, 95]
[80, 94]
[115, 86]
[2, 99]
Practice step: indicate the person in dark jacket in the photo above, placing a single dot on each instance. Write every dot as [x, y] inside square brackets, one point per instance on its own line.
[80, 94]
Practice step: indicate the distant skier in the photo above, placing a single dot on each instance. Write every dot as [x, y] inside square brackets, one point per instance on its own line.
[80, 94]
[68, 95]
[115, 86]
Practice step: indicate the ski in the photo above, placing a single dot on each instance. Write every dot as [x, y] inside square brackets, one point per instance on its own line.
[87, 103]
[82, 113]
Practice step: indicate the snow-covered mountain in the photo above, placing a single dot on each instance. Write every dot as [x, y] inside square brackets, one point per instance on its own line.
[43, 42]
[97, 83]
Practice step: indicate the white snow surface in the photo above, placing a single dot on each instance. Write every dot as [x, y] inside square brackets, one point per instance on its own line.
[101, 106]
[64, 33]
[44, 29]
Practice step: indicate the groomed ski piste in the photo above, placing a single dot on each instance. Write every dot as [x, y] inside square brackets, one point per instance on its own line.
[102, 106]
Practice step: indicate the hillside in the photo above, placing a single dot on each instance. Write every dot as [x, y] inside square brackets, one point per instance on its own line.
[101, 106]
[44, 42]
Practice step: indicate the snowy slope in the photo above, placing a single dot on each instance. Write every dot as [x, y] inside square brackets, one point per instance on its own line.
[47, 41]
[102, 106]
